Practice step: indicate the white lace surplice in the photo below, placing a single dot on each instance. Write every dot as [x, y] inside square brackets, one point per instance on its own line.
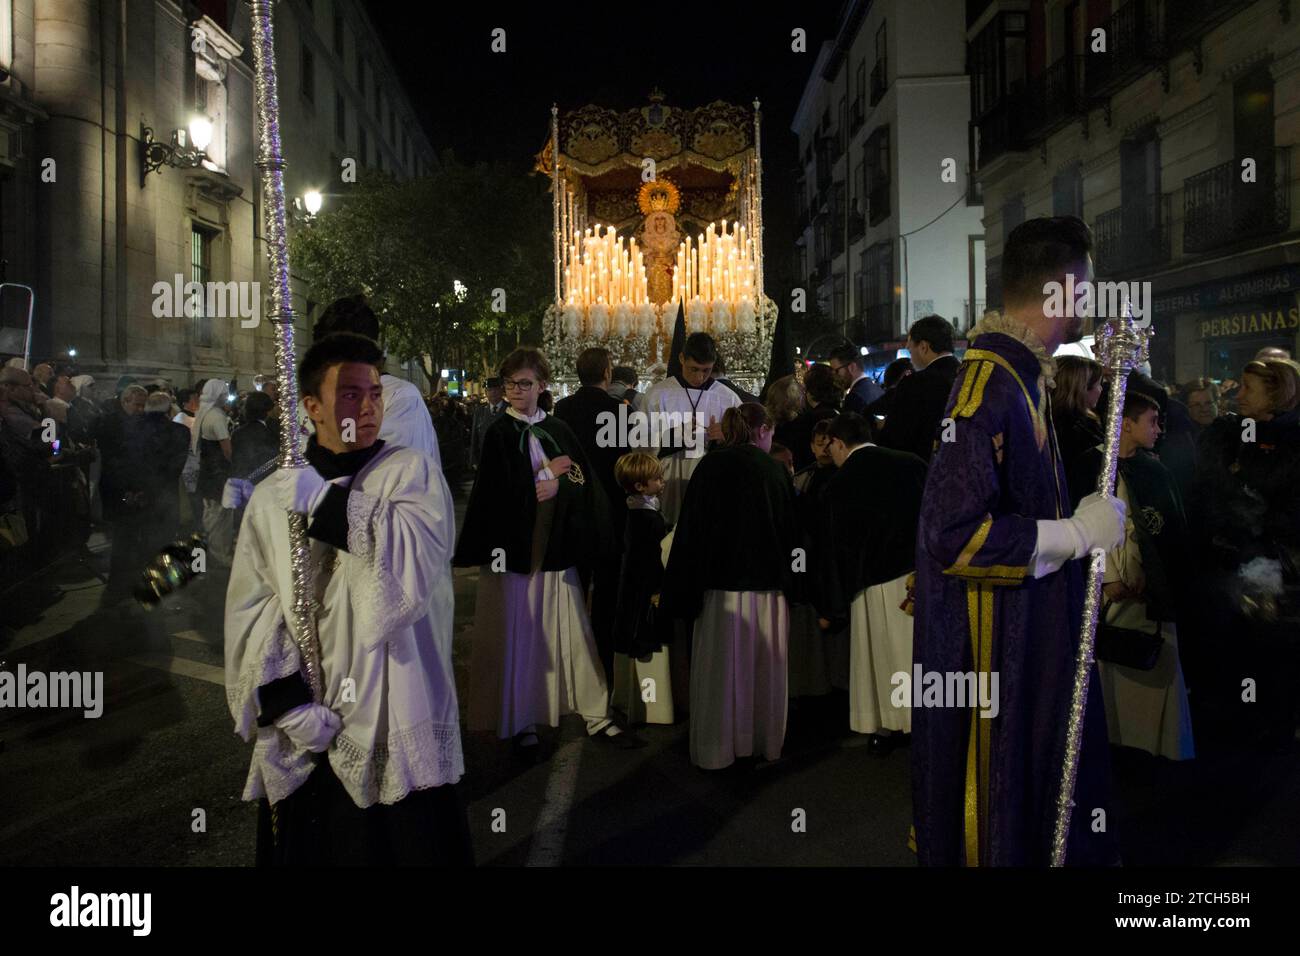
[386, 628]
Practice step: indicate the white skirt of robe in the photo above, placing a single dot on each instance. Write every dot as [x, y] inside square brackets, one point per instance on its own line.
[738, 677]
[1148, 709]
[881, 646]
[642, 702]
[534, 657]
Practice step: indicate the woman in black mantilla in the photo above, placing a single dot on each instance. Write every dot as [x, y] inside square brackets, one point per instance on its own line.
[535, 516]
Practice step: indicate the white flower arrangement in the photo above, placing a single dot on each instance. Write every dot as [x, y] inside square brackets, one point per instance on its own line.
[623, 320]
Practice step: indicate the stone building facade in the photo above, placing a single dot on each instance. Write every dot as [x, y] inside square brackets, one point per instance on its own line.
[97, 240]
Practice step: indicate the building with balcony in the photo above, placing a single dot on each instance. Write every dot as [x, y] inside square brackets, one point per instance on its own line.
[1167, 125]
[81, 87]
[889, 229]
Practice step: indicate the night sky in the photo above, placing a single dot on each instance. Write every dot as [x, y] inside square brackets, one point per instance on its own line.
[493, 106]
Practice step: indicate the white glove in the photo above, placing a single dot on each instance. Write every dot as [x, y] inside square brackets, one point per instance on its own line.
[1099, 523]
[236, 493]
[300, 490]
[311, 726]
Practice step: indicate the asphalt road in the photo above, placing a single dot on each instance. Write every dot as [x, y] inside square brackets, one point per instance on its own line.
[128, 787]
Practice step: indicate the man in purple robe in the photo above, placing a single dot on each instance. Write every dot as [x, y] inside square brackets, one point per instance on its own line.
[999, 589]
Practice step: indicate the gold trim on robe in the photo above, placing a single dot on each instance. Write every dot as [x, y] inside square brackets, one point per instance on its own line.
[979, 606]
[1037, 413]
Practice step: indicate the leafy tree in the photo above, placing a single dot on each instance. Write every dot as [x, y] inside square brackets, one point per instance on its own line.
[434, 256]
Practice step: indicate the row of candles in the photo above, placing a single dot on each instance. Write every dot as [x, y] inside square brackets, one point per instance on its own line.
[604, 267]
[719, 265]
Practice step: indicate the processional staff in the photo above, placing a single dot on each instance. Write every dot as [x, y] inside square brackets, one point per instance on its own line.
[1121, 346]
[269, 161]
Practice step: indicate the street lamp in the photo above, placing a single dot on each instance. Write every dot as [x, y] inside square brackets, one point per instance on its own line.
[306, 206]
[187, 149]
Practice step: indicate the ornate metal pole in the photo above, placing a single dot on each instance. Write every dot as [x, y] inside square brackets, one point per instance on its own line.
[1121, 345]
[758, 204]
[556, 237]
[269, 161]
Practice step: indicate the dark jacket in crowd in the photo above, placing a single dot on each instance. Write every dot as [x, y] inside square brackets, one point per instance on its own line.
[917, 408]
[1076, 435]
[863, 393]
[1177, 446]
[156, 449]
[866, 529]
[639, 628]
[114, 483]
[1246, 491]
[251, 445]
[581, 411]
[1247, 505]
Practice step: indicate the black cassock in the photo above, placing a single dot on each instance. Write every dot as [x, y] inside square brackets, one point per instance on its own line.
[639, 628]
[503, 504]
[737, 531]
[866, 526]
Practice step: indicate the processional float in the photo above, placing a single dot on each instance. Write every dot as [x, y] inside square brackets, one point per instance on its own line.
[655, 208]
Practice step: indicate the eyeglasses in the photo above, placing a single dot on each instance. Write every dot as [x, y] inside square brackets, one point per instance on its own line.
[518, 385]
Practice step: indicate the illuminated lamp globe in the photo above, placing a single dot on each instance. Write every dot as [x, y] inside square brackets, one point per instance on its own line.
[201, 132]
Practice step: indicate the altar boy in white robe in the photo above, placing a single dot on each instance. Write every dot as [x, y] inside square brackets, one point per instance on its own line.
[380, 529]
[536, 514]
[694, 397]
[865, 552]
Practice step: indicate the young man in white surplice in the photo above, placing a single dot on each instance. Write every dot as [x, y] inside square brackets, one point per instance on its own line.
[535, 516]
[694, 397]
[380, 530]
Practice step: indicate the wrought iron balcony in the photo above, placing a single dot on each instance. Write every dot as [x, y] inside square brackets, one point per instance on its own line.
[1186, 21]
[1220, 209]
[1134, 236]
[1055, 96]
[973, 315]
[1001, 130]
[1134, 45]
[879, 81]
